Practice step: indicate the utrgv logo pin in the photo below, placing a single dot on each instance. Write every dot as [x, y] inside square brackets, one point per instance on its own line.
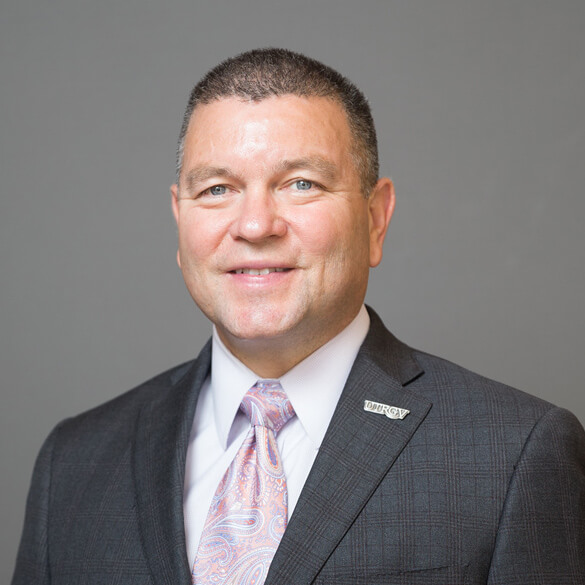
[390, 411]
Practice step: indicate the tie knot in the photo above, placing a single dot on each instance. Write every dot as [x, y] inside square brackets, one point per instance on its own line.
[266, 404]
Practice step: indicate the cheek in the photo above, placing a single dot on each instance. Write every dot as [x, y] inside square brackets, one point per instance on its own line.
[337, 253]
[318, 227]
[335, 234]
[198, 238]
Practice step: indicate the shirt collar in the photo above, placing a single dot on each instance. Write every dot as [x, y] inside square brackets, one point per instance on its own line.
[313, 386]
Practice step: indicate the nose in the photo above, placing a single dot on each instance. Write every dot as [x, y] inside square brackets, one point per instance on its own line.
[259, 216]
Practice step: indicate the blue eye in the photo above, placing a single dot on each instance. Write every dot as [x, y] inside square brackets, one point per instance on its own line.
[217, 190]
[303, 185]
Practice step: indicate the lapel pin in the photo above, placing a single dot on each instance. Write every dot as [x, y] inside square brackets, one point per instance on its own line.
[390, 411]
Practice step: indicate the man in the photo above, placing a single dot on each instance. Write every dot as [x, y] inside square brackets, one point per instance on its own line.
[397, 467]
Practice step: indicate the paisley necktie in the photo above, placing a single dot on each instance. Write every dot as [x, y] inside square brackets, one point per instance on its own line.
[248, 513]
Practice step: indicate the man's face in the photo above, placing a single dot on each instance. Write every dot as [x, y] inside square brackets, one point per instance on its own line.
[275, 237]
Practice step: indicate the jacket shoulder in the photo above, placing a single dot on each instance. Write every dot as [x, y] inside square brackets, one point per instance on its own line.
[448, 381]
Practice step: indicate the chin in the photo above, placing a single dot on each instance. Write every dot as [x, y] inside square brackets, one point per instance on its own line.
[260, 324]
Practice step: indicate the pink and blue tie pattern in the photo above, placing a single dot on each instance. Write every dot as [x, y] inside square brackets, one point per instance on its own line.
[248, 513]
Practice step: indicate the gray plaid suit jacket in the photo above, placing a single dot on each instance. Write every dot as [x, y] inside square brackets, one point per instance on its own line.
[480, 483]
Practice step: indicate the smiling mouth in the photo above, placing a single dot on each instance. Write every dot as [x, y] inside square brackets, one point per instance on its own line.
[258, 272]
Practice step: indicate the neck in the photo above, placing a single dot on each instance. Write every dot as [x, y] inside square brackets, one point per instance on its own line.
[267, 359]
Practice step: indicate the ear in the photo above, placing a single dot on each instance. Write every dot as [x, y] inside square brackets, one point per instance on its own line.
[175, 201]
[381, 207]
[175, 207]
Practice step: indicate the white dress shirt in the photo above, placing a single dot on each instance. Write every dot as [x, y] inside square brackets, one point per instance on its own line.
[313, 386]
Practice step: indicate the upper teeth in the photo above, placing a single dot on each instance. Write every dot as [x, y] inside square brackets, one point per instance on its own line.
[255, 272]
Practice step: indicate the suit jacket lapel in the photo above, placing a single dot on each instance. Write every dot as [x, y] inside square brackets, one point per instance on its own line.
[162, 437]
[358, 450]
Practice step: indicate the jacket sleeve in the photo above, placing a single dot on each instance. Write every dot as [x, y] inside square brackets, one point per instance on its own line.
[32, 561]
[541, 535]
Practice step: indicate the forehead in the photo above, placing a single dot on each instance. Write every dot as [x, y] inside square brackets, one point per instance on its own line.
[311, 121]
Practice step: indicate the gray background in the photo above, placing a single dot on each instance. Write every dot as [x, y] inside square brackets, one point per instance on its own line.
[479, 109]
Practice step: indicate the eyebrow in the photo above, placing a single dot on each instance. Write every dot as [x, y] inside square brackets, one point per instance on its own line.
[312, 163]
[202, 174]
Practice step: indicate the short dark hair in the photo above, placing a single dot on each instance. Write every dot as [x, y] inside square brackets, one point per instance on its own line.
[262, 73]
